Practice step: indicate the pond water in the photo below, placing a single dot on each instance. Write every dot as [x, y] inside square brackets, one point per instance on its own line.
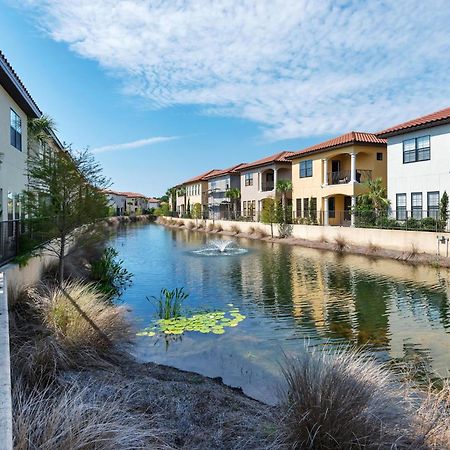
[287, 294]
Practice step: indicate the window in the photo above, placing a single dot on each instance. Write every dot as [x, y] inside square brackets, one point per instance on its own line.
[249, 179]
[298, 207]
[379, 156]
[313, 208]
[245, 209]
[16, 130]
[417, 149]
[401, 206]
[306, 169]
[306, 207]
[331, 208]
[433, 204]
[416, 205]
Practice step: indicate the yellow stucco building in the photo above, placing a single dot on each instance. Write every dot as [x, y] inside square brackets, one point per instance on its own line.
[328, 177]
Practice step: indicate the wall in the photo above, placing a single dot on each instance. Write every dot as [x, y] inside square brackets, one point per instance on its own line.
[397, 240]
[422, 176]
[12, 168]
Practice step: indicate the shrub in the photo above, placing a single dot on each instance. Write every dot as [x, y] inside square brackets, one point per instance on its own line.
[235, 229]
[109, 274]
[210, 227]
[179, 223]
[190, 225]
[170, 303]
[334, 401]
[74, 339]
[218, 228]
[341, 243]
[429, 223]
[75, 418]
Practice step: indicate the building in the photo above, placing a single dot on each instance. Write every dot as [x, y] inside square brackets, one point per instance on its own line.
[193, 191]
[152, 203]
[116, 202]
[259, 179]
[328, 176]
[130, 203]
[16, 108]
[219, 182]
[418, 160]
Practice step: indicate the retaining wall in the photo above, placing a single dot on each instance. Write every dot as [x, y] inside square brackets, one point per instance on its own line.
[397, 240]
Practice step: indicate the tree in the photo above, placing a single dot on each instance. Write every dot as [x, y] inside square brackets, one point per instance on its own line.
[196, 211]
[234, 194]
[171, 195]
[283, 187]
[443, 207]
[269, 213]
[65, 192]
[375, 196]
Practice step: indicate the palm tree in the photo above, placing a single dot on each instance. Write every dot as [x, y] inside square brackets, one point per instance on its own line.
[41, 128]
[234, 194]
[283, 187]
[375, 195]
[172, 195]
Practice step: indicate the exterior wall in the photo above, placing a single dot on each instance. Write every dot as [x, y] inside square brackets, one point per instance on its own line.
[155, 205]
[397, 240]
[255, 193]
[118, 202]
[13, 161]
[315, 186]
[218, 202]
[423, 176]
[197, 193]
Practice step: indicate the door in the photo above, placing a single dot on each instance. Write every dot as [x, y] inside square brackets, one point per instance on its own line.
[335, 169]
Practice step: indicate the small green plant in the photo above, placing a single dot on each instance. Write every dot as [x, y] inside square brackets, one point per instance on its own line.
[170, 303]
[109, 274]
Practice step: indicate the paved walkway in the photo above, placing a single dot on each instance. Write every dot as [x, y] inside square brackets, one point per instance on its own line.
[5, 376]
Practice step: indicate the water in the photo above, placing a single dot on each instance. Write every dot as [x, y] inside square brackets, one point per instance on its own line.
[288, 294]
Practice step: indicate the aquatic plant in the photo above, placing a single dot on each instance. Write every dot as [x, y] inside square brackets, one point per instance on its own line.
[206, 322]
[169, 303]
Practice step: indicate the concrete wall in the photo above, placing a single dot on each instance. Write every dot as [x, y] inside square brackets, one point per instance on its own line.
[13, 161]
[398, 240]
[421, 176]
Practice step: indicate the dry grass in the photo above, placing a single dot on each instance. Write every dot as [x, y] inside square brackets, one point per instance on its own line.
[341, 243]
[210, 227]
[190, 225]
[74, 418]
[200, 226]
[218, 228]
[179, 223]
[344, 400]
[235, 229]
[48, 334]
[373, 248]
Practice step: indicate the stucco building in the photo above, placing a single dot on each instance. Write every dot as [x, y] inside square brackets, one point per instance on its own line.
[418, 164]
[327, 177]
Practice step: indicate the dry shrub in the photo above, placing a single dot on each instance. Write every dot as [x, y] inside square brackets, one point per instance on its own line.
[235, 229]
[252, 230]
[200, 226]
[373, 248]
[335, 401]
[218, 228]
[261, 232]
[180, 223]
[190, 225]
[341, 243]
[210, 227]
[74, 418]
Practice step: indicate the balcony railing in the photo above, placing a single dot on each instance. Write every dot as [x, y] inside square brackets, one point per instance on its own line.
[267, 186]
[344, 176]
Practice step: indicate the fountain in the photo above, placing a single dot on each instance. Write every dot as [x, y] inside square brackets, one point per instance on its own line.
[219, 247]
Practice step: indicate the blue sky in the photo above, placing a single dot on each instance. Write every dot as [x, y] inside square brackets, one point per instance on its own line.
[162, 91]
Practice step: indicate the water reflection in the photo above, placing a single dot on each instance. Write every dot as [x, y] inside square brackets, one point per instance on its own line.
[399, 312]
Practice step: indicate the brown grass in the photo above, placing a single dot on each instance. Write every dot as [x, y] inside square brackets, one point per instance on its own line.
[74, 418]
[179, 223]
[235, 229]
[343, 400]
[341, 243]
[190, 225]
[210, 227]
[218, 228]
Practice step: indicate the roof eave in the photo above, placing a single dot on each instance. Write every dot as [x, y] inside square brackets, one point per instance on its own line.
[17, 92]
[413, 128]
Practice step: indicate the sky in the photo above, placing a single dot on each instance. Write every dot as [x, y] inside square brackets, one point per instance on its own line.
[161, 91]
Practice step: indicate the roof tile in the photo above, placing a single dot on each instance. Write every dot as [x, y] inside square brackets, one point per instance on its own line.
[277, 157]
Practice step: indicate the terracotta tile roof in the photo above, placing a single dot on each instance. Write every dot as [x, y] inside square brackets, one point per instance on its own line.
[200, 177]
[278, 157]
[153, 200]
[126, 194]
[12, 73]
[354, 137]
[431, 120]
[218, 173]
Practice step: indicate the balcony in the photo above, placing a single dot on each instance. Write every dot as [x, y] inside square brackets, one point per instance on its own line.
[267, 186]
[344, 176]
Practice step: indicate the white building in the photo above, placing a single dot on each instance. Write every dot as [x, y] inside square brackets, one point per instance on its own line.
[418, 164]
[16, 107]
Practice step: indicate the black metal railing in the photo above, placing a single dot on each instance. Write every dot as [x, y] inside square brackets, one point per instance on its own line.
[344, 176]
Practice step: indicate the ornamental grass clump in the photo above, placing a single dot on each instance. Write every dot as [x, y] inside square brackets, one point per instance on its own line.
[170, 303]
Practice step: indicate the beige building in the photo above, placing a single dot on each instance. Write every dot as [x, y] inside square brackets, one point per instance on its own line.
[259, 179]
[328, 177]
[192, 191]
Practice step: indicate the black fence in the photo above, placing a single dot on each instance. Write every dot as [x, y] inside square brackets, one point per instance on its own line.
[408, 220]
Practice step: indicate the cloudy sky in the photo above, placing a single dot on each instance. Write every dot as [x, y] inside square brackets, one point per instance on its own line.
[163, 90]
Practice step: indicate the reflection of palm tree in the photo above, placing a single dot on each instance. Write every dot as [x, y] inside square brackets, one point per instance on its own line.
[283, 187]
[234, 194]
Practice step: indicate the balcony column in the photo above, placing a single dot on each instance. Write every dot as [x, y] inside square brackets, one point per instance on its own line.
[275, 177]
[325, 172]
[259, 181]
[352, 223]
[352, 167]
[325, 211]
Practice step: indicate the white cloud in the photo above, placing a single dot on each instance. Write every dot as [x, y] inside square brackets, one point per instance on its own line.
[134, 144]
[297, 67]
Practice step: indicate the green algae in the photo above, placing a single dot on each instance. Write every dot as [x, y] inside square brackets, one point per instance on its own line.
[209, 322]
